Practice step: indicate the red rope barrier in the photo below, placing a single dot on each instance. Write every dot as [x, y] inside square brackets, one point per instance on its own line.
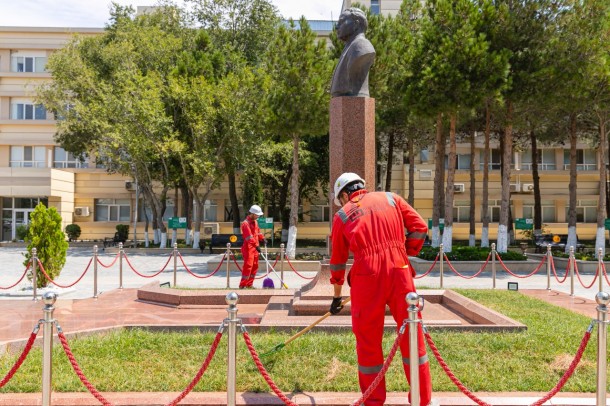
[21, 358]
[431, 267]
[79, 372]
[201, 276]
[580, 280]
[113, 261]
[147, 276]
[57, 284]
[520, 276]
[20, 279]
[464, 276]
[235, 260]
[277, 257]
[295, 271]
[605, 273]
[555, 272]
[201, 371]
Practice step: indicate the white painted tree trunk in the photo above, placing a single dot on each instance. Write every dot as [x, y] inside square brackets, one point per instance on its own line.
[572, 238]
[485, 237]
[436, 236]
[447, 237]
[502, 244]
[174, 236]
[600, 241]
[291, 245]
[472, 241]
[146, 239]
[196, 239]
[156, 235]
[163, 241]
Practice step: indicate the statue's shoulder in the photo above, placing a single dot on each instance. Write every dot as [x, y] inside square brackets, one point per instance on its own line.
[362, 45]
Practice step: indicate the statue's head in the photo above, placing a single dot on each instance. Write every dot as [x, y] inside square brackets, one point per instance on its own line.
[351, 23]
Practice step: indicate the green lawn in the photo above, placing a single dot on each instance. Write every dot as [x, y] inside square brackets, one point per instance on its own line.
[137, 360]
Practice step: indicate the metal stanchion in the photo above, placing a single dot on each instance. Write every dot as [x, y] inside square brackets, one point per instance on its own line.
[441, 257]
[413, 301]
[602, 299]
[228, 256]
[493, 264]
[175, 254]
[49, 299]
[600, 268]
[120, 265]
[231, 299]
[571, 268]
[549, 258]
[95, 271]
[282, 253]
[34, 259]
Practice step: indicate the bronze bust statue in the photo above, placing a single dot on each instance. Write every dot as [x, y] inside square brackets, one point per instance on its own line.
[351, 75]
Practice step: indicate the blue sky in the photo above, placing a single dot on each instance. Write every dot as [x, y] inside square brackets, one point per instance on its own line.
[94, 13]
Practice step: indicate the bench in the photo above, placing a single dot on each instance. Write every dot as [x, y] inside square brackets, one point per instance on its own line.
[114, 241]
[221, 240]
[542, 241]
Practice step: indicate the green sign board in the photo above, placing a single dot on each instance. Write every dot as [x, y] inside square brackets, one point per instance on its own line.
[524, 224]
[176, 222]
[265, 223]
[441, 224]
[607, 224]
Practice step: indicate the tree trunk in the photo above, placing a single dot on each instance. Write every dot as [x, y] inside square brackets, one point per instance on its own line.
[472, 230]
[291, 245]
[536, 180]
[572, 186]
[411, 198]
[388, 171]
[449, 192]
[186, 212]
[485, 198]
[502, 245]
[234, 202]
[439, 162]
[600, 237]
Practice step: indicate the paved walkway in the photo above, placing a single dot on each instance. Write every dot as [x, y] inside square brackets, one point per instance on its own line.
[77, 311]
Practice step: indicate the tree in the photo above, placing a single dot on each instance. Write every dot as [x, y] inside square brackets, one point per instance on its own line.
[46, 235]
[73, 231]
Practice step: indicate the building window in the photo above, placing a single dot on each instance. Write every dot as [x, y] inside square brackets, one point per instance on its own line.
[461, 211]
[112, 209]
[546, 160]
[586, 211]
[28, 111]
[494, 211]
[28, 63]
[319, 212]
[462, 161]
[424, 155]
[548, 210]
[375, 8]
[210, 208]
[27, 157]
[495, 160]
[64, 159]
[586, 160]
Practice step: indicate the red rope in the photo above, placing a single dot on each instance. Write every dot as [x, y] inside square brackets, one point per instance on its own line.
[20, 279]
[201, 371]
[580, 280]
[108, 266]
[235, 260]
[277, 257]
[520, 276]
[79, 372]
[464, 276]
[146, 276]
[57, 284]
[605, 273]
[21, 358]
[201, 276]
[295, 271]
[555, 272]
[431, 267]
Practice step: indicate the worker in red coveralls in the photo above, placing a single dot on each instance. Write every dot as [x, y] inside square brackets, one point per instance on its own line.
[372, 226]
[250, 249]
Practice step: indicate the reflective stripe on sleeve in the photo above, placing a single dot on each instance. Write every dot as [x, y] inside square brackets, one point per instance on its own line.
[417, 235]
[390, 199]
[248, 237]
[337, 267]
[422, 360]
[342, 215]
[370, 370]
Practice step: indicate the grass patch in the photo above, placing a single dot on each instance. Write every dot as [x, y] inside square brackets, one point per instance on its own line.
[138, 360]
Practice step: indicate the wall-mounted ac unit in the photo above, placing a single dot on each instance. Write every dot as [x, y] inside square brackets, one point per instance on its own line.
[515, 187]
[81, 211]
[130, 185]
[425, 173]
[459, 187]
[528, 187]
[210, 228]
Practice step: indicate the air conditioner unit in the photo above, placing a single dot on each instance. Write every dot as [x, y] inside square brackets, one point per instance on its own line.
[81, 211]
[211, 228]
[528, 187]
[459, 187]
[514, 187]
[130, 185]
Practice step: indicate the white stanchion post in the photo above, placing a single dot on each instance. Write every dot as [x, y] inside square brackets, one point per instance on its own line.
[120, 265]
[493, 264]
[49, 299]
[571, 266]
[602, 299]
[34, 259]
[441, 257]
[95, 271]
[549, 258]
[175, 254]
[600, 269]
[228, 256]
[413, 301]
[282, 253]
[231, 299]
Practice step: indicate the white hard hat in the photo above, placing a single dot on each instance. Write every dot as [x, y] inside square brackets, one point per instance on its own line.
[256, 209]
[342, 181]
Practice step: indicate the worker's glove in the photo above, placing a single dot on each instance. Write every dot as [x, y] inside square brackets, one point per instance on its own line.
[335, 306]
[265, 242]
[258, 249]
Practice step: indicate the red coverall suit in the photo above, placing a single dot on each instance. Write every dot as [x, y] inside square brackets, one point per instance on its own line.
[372, 226]
[251, 235]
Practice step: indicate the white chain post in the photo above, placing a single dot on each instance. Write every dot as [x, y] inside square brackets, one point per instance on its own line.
[571, 266]
[49, 299]
[441, 257]
[120, 265]
[34, 259]
[493, 264]
[95, 271]
[228, 256]
[549, 258]
[231, 299]
[602, 299]
[175, 254]
[413, 301]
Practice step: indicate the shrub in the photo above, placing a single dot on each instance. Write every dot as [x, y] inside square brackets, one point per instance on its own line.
[73, 231]
[45, 234]
[465, 253]
[22, 231]
[122, 232]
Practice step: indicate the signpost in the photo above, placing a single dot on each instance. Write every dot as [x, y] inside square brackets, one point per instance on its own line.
[176, 222]
[266, 223]
[524, 224]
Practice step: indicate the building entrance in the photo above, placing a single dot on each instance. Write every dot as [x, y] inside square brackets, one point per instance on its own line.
[16, 213]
